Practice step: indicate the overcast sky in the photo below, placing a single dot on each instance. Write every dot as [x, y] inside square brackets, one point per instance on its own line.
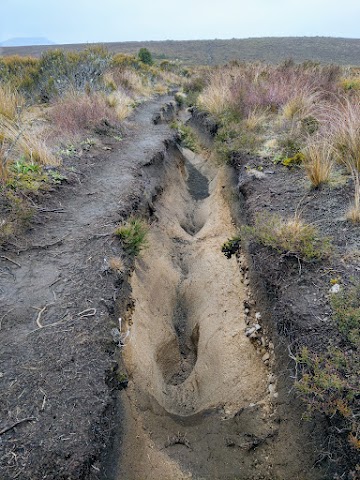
[73, 21]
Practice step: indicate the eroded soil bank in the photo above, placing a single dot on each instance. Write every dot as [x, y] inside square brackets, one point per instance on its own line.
[202, 400]
[295, 296]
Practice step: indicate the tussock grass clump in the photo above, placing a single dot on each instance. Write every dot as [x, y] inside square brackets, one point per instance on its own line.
[318, 162]
[291, 237]
[255, 119]
[344, 120]
[35, 149]
[134, 83]
[302, 105]
[77, 112]
[120, 103]
[216, 97]
[133, 235]
[10, 102]
[344, 132]
[116, 264]
[353, 213]
[17, 142]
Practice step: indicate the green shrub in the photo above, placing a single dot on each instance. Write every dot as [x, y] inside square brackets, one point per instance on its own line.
[330, 381]
[329, 384]
[133, 235]
[231, 246]
[346, 313]
[291, 237]
[187, 136]
[145, 56]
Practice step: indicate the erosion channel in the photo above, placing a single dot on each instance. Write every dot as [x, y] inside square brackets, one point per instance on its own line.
[201, 399]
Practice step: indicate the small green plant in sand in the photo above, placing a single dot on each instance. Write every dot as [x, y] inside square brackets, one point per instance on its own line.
[133, 235]
[290, 237]
[187, 136]
[231, 246]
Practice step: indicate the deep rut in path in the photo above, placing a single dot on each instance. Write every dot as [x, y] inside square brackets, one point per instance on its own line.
[198, 402]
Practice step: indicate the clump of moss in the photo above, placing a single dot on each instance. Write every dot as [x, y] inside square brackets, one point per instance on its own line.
[294, 161]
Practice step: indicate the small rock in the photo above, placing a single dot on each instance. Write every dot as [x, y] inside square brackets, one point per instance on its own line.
[265, 357]
[258, 316]
[271, 346]
[271, 389]
[246, 311]
[335, 288]
[272, 378]
[249, 331]
[254, 335]
[257, 327]
[116, 335]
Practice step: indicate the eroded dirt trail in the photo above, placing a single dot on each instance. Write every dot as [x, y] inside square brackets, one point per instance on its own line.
[57, 355]
[197, 402]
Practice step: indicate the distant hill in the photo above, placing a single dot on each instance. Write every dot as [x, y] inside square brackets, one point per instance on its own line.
[20, 41]
[342, 51]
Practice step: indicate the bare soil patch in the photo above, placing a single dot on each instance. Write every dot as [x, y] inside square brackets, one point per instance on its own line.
[58, 359]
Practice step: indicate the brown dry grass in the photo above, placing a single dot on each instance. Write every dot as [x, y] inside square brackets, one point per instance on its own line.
[255, 119]
[120, 103]
[11, 102]
[76, 112]
[116, 264]
[216, 97]
[318, 161]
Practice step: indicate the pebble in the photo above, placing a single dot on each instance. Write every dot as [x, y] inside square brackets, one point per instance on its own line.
[258, 316]
[271, 389]
[335, 288]
[272, 378]
[257, 327]
[249, 331]
[246, 311]
[265, 357]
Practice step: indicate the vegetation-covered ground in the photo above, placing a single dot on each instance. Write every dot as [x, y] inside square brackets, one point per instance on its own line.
[50, 112]
[341, 51]
[291, 132]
